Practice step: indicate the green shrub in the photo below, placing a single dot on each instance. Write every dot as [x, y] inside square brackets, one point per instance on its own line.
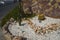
[13, 13]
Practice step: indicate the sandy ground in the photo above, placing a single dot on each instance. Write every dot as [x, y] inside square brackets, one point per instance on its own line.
[29, 33]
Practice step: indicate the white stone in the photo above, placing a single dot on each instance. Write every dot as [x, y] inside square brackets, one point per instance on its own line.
[29, 32]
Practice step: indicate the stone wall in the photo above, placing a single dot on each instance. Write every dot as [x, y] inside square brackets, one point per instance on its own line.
[48, 7]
